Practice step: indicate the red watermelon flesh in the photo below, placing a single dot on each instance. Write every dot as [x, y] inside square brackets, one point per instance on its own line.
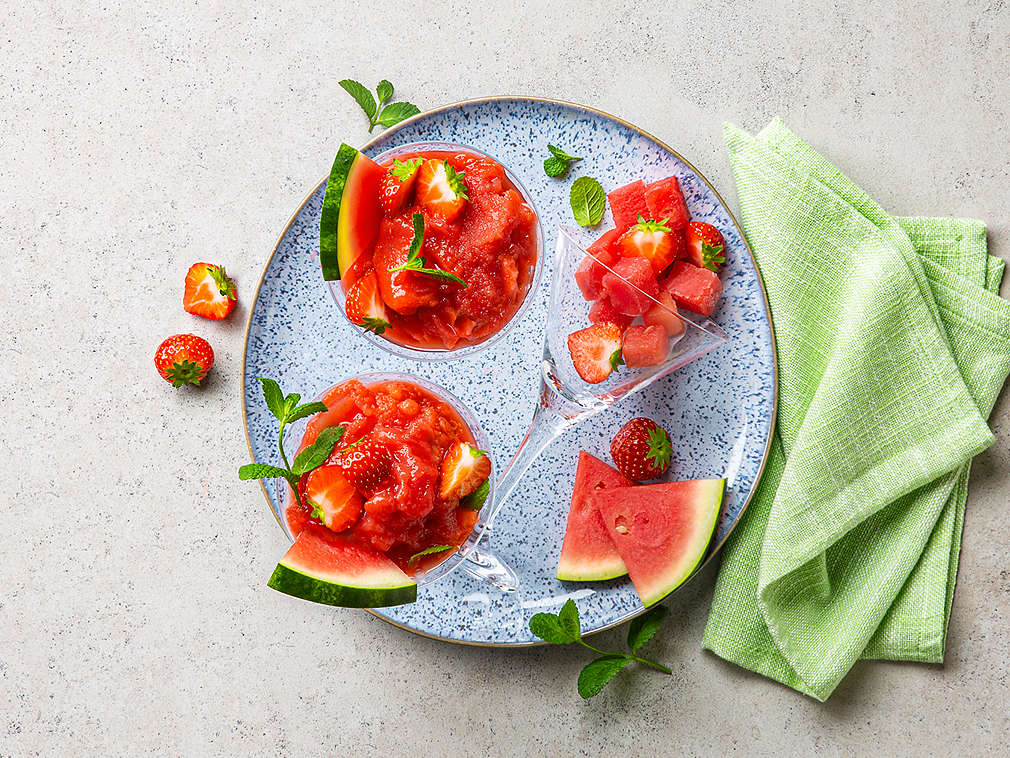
[665, 317]
[631, 286]
[589, 277]
[588, 554]
[627, 203]
[661, 531]
[694, 288]
[605, 248]
[602, 312]
[665, 200]
[645, 346]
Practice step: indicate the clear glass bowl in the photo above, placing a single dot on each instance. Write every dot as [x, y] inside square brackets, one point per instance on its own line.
[442, 354]
[452, 560]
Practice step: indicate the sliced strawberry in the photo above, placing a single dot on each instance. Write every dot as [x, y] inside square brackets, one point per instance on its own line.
[464, 469]
[397, 184]
[209, 292]
[652, 240]
[332, 497]
[364, 307]
[366, 464]
[596, 351]
[440, 188]
[705, 246]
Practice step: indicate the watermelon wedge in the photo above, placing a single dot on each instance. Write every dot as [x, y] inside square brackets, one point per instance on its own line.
[351, 212]
[330, 569]
[661, 531]
[587, 553]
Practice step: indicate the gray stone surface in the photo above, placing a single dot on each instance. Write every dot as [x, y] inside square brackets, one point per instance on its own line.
[134, 617]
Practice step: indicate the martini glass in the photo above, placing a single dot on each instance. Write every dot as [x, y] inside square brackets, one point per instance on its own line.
[565, 399]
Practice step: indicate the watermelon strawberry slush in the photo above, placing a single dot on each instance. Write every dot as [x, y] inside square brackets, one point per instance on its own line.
[404, 515]
[492, 244]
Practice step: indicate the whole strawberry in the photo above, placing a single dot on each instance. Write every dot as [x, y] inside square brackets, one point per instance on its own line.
[641, 449]
[706, 247]
[366, 464]
[184, 359]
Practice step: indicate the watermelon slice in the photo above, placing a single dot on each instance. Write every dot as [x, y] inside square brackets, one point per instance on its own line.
[661, 531]
[587, 553]
[627, 203]
[330, 569]
[351, 211]
[665, 201]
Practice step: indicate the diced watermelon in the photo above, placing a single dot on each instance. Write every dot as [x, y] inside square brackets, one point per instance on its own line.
[627, 203]
[620, 286]
[589, 277]
[645, 345]
[664, 200]
[602, 312]
[693, 288]
[605, 248]
[665, 317]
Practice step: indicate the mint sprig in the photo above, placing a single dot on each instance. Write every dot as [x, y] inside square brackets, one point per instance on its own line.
[286, 410]
[429, 551]
[559, 161]
[391, 114]
[588, 201]
[564, 628]
[416, 262]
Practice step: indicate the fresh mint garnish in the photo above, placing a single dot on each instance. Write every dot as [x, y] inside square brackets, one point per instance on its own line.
[416, 262]
[429, 551]
[588, 201]
[559, 161]
[564, 628]
[391, 114]
[403, 170]
[476, 499]
[287, 410]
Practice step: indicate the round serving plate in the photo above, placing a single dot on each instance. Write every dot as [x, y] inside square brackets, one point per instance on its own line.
[719, 410]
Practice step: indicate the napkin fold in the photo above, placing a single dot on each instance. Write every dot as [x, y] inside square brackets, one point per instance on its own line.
[892, 347]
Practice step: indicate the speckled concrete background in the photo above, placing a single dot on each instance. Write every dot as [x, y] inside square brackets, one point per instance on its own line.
[134, 616]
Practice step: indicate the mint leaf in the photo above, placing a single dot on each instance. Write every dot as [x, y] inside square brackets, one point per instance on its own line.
[588, 201]
[315, 455]
[384, 90]
[415, 261]
[476, 499]
[362, 95]
[261, 471]
[598, 673]
[415, 244]
[290, 402]
[429, 551]
[440, 273]
[394, 113]
[273, 396]
[309, 409]
[644, 628]
[548, 627]
[555, 166]
[557, 152]
[568, 616]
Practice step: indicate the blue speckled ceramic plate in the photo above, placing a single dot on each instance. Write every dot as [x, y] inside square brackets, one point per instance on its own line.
[719, 410]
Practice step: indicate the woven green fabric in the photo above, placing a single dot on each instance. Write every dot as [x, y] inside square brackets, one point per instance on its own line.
[892, 347]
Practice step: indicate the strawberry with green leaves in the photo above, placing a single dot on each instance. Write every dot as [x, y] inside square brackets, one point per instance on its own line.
[397, 184]
[705, 246]
[641, 449]
[464, 469]
[364, 305]
[441, 189]
[596, 351]
[209, 292]
[652, 240]
[184, 359]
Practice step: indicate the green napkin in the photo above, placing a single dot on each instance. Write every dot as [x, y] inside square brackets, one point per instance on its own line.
[892, 347]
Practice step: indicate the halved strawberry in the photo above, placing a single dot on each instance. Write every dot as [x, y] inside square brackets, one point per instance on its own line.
[397, 184]
[596, 351]
[464, 469]
[209, 292]
[652, 240]
[705, 245]
[332, 497]
[364, 307]
[440, 188]
[366, 464]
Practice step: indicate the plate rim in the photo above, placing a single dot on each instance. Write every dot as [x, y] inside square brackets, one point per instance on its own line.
[597, 112]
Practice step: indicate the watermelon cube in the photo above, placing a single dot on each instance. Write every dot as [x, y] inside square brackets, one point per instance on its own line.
[627, 203]
[645, 345]
[606, 248]
[665, 315]
[589, 277]
[694, 288]
[631, 286]
[602, 312]
[664, 200]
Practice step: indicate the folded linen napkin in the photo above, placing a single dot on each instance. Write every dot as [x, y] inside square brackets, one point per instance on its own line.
[892, 347]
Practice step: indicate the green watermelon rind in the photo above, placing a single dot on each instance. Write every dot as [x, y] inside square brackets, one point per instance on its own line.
[328, 246]
[707, 529]
[592, 571]
[298, 583]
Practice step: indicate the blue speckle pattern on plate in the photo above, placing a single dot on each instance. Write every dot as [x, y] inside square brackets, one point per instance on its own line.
[719, 410]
